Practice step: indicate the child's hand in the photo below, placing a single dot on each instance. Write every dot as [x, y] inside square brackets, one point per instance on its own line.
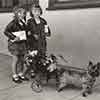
[46, 29]
[29, 33]
[16, 39]
[36, 36]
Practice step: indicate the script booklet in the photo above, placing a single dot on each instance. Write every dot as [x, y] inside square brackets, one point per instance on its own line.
[20, 34]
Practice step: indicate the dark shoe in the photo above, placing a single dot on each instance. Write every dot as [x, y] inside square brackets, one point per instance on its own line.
[23, 78]
[32, 75]
[60, 89]
[84, 94]
[16, 80]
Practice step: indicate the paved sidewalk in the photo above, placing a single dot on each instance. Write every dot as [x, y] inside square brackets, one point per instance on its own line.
[12, 91]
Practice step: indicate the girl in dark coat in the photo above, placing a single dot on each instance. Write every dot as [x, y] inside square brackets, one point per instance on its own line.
[16, 46]
[38, 30]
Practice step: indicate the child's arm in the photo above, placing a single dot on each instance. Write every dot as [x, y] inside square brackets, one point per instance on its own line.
[28, 28]
[31, 29]
[46, 28]
[8, 32]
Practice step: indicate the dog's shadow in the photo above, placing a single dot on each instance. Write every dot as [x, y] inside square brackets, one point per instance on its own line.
[71, 86]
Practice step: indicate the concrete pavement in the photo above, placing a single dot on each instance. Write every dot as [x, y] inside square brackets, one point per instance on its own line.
[12, 91]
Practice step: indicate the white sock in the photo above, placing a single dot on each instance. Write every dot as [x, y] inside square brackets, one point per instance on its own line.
[20, 74]
[15, 76]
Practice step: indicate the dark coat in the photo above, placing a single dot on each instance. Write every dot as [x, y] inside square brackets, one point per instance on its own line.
[16, 48]
[37, 29]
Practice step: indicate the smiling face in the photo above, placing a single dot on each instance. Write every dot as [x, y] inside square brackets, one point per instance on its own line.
[20, 13]
[36, 11]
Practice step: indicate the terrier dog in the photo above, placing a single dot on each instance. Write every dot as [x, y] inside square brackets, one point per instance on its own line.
[87, 77]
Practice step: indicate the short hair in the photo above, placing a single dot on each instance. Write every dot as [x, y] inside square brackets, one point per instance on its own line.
[36, 6]
[18, 8]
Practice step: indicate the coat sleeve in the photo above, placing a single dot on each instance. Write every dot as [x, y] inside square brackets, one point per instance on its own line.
[49, 32]
[28, 25]
[30, 28]
[8, 31]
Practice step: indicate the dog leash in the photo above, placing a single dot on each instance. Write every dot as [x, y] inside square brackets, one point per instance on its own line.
[62, 57]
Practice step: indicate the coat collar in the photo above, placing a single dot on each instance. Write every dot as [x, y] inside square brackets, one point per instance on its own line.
[21, 24]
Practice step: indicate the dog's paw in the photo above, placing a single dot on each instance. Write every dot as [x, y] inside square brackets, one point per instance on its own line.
[60, 89]
[84, 94]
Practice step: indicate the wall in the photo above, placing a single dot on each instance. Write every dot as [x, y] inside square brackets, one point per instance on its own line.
[75, 33]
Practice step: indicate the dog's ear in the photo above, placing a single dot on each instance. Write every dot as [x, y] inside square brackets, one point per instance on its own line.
[90, 63]
[53, 57]
[98, 65]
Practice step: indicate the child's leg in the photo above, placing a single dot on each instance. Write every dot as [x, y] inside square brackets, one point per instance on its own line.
[27, 71]
[33, 69]
[20, 67]
[14, 65]
[14, 70]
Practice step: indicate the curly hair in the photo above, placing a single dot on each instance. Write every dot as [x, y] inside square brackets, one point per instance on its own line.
[17, 9]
